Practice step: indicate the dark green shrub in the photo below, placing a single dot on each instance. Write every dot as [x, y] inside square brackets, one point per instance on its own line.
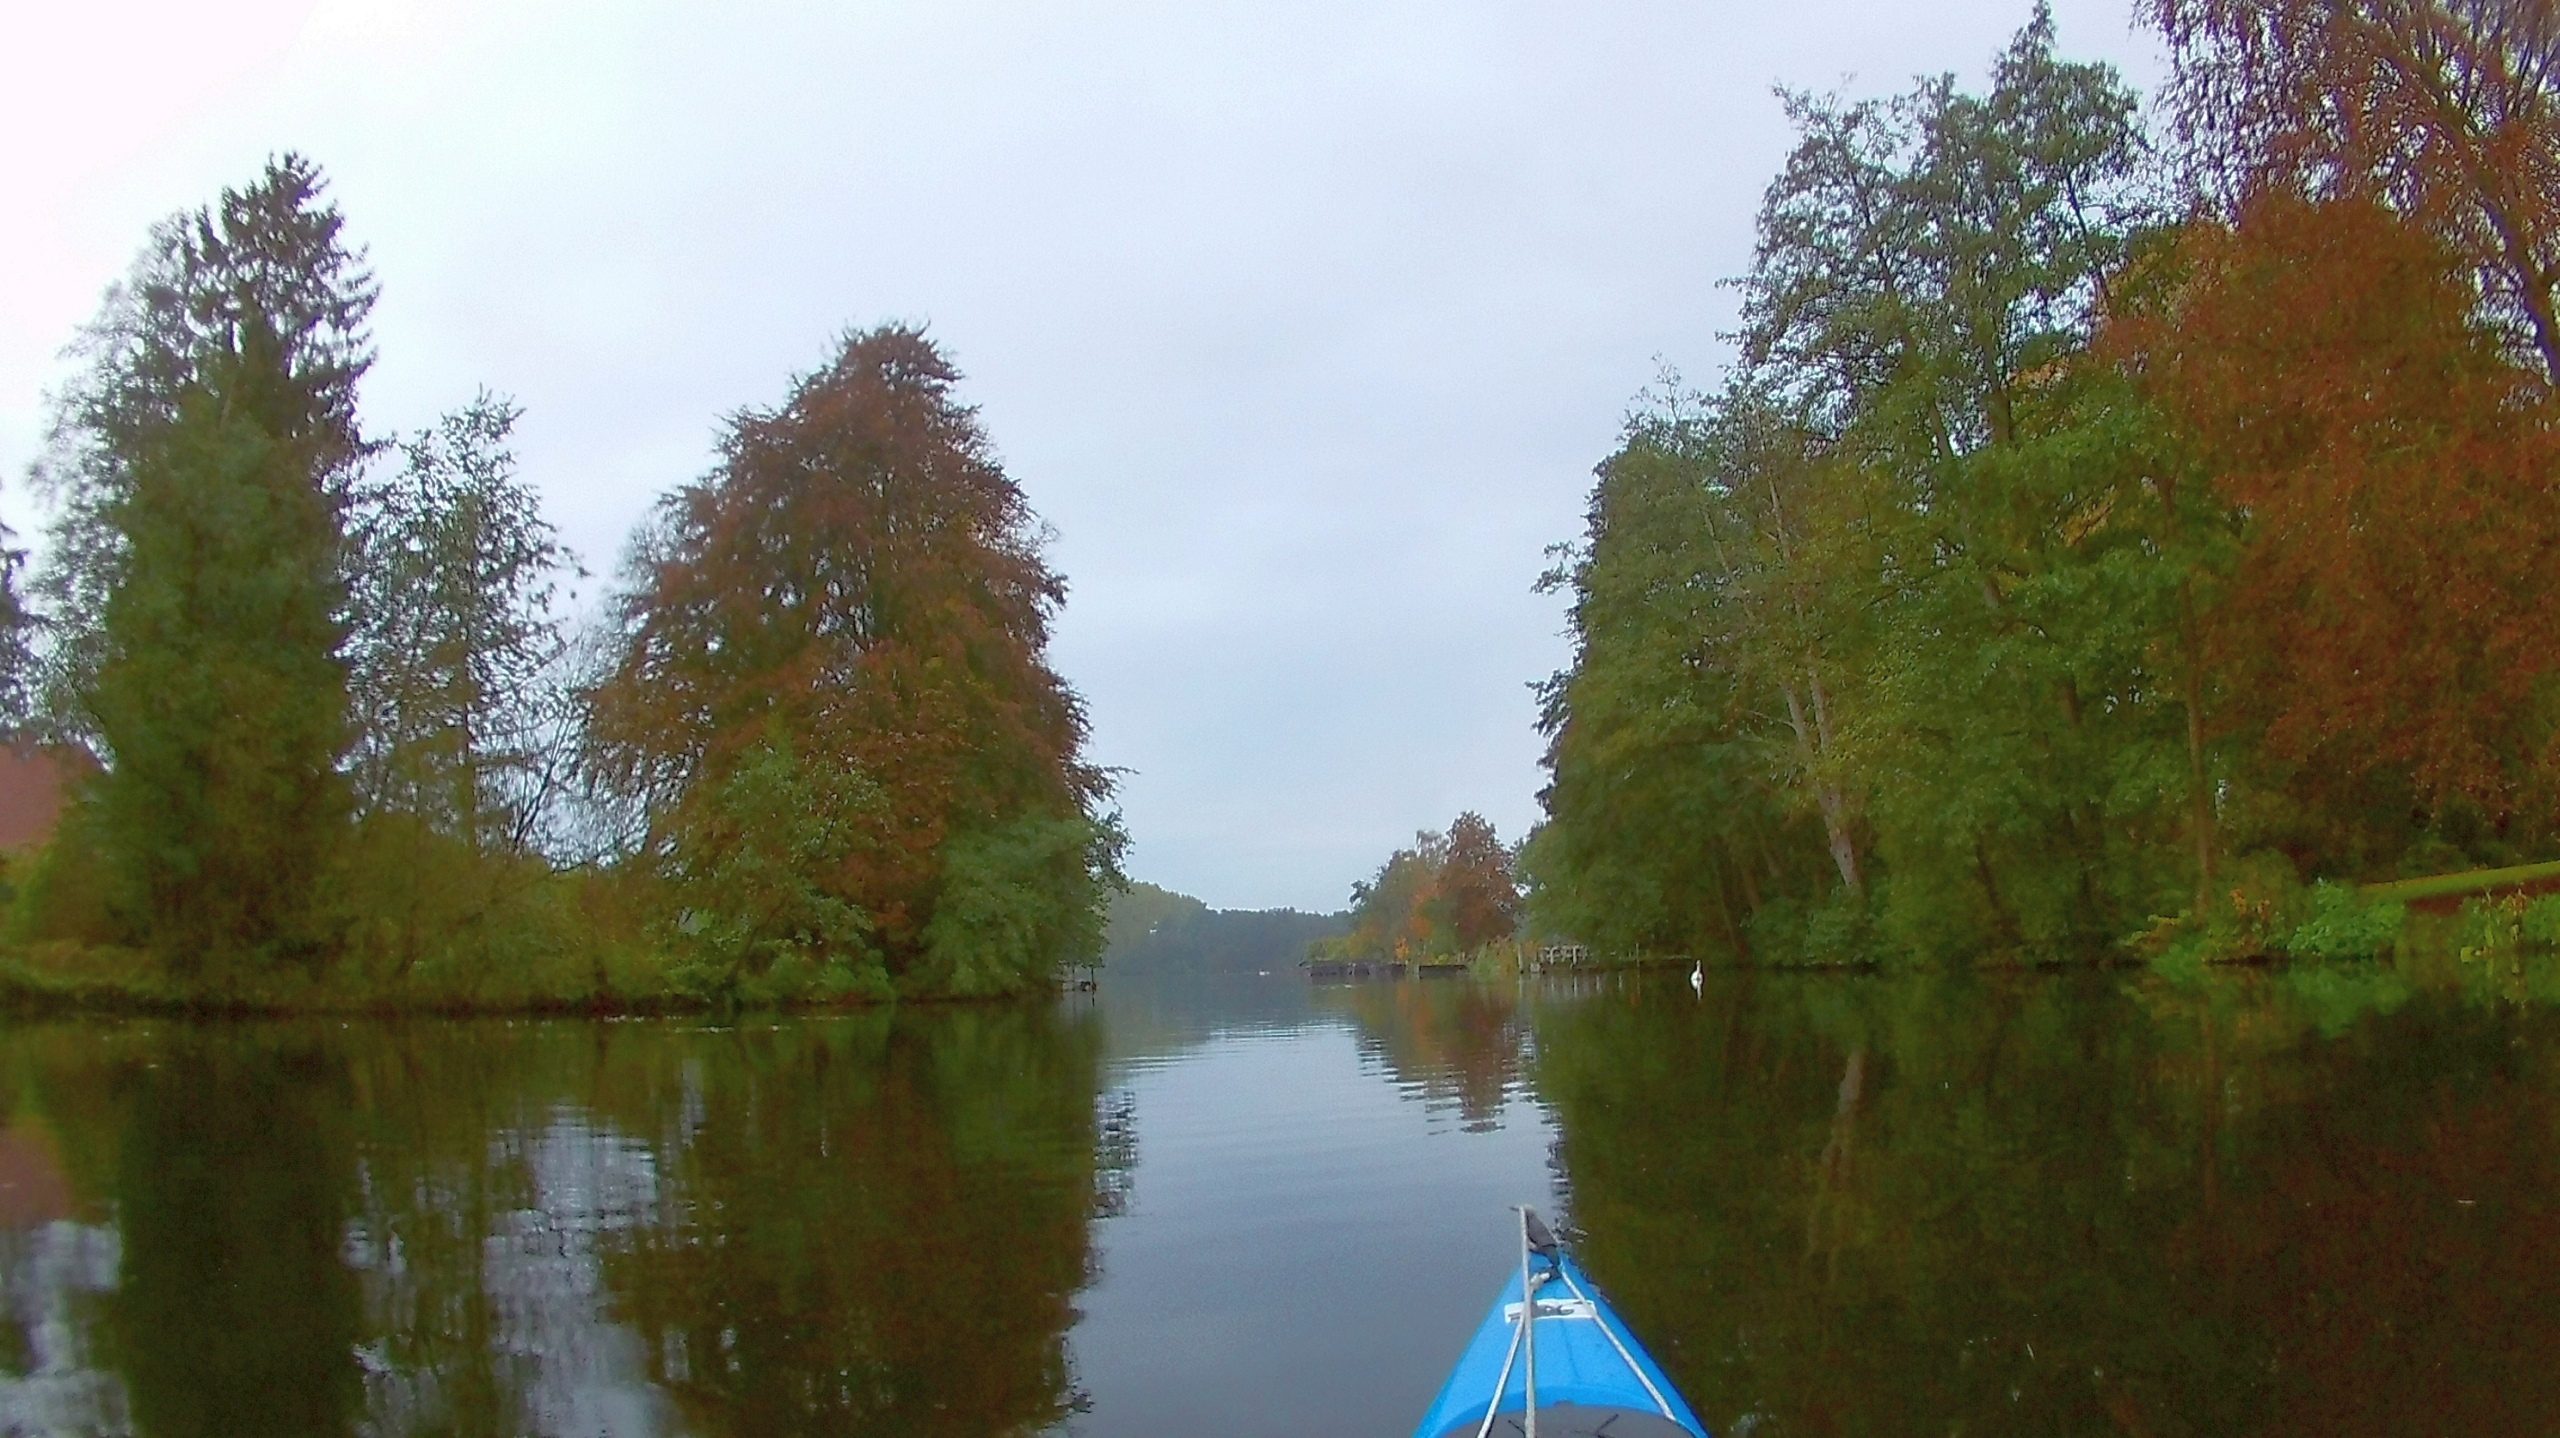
[66, 891]
[2252, 913]
[2341, 924]
[2504, 923]
[2541, 924]
[760, 883]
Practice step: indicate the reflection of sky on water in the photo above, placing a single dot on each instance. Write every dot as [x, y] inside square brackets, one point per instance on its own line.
[49, 1276]
[1276, 1166]
[570, 1366]
[574, 1369]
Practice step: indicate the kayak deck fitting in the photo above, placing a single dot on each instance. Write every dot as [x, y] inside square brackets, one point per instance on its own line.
[1578, 1374]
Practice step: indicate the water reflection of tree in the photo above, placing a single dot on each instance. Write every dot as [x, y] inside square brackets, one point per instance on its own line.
[59, 1253]
[864, 1225]
[490, 1177]
[1453, 1041]
[874, 1227]
[235, 1311]
[1862, 1206]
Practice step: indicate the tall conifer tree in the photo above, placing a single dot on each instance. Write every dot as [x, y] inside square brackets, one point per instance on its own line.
[202, 465]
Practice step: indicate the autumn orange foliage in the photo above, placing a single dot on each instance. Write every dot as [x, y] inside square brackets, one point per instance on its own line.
[2391, 612]
[2448, 110]
[860, 576]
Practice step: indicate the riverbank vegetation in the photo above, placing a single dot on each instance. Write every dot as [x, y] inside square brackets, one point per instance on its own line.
[1451, 897]
[350, 744]
[2106, 529]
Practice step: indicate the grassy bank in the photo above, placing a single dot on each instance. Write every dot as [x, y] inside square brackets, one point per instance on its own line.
[2516, 878]
[2269, 917]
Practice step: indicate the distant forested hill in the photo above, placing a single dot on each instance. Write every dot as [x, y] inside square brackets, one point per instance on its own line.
[1157, 931]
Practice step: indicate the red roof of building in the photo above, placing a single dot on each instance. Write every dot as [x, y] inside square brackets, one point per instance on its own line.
[35, 780]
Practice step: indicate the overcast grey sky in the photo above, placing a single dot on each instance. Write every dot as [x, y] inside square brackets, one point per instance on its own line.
[1302, 322]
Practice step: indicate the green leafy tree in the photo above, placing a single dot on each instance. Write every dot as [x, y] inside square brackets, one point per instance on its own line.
[1931, 270]
[1678, 803]
[1023, 898]
[758, 910]
[457, 651]
[1896, 586]
[2039, 550]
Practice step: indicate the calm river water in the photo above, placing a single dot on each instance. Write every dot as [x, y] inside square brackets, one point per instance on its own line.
[2271, 1203]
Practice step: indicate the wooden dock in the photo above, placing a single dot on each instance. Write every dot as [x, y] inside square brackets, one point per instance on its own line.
[1389, 969]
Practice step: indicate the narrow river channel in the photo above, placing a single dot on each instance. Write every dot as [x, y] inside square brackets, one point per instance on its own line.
[2316, 1201]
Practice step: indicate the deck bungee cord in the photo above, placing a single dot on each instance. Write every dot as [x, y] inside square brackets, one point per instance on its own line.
[1552, 1375]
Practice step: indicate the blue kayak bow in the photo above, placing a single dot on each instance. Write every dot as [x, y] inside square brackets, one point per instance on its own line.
[1552, 1360]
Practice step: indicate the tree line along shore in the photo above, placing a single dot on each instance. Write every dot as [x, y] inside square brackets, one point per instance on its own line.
[2122, 528]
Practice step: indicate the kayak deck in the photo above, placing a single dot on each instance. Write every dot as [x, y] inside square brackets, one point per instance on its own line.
[1592, 1377]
